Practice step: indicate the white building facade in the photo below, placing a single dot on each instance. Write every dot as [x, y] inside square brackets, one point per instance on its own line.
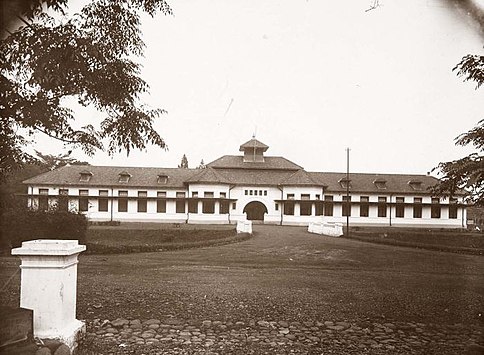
[252, 186]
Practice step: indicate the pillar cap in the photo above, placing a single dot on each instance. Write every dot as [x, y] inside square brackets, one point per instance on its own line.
[49, 247]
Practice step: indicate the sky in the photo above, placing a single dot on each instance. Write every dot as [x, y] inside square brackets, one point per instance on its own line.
[310, 79]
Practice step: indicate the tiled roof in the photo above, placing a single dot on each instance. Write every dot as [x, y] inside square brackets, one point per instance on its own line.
[237, 162]
[363, 182]
[301, 178]
[253, 143]
[109, 176]
[255, 177]
[208, 175]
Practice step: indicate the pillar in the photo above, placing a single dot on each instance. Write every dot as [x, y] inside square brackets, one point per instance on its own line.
[49, 287]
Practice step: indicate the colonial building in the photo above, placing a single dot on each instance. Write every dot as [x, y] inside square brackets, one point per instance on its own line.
[251, 186]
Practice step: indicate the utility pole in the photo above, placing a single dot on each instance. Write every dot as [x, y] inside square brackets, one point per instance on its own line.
[348, 203]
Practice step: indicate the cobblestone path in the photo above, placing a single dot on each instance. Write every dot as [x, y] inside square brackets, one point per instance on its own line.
[175, 336]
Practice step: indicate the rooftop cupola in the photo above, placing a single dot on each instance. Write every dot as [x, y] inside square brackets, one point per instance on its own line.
[253, 151]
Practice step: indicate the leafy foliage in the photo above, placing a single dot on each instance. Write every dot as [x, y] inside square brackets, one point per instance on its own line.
[19, 224]
[471, 67]
[184, 162]
[468, 172]
[88, 57]
[51, 162]
[12, 188]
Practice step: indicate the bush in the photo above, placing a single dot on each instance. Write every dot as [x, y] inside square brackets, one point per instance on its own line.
[19, 224]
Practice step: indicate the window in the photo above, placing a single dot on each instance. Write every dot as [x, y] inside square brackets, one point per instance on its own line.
[246, 192]
[260, 192]
[453, 208]
[400, 207]
[85, 176]
[380, 184]
[328, 205]
[276, 207]
[318, 197]
[234, 205]
[305, 207]
[103, 201]
[124, 177]
[417, 207]
[289, 208]
[224, 207]
[290, 196]
[208, 206]
[194, 194]
[415, 185]
[142, 201]
[43, 199]
[346, 206]
[223, 195]
[251, 192]
[162, 179]
[319, 208]
[255, 192]
[193, 206]
[63, 200]
[83, 200]
[123, 201]
[180, 202]
[382, 206]
[364, 206]
[345, 183]
[161, 202]
[265, 192]
[435, 208]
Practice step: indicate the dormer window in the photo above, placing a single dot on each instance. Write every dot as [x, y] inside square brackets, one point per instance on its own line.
[85, 176]
[380, 184]
[162, 179]
[124, 177]
[415, 184]
[345, 183]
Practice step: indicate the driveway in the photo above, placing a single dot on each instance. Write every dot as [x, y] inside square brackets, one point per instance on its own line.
[283, 291]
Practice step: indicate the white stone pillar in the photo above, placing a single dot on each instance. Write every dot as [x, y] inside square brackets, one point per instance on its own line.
[49, 287]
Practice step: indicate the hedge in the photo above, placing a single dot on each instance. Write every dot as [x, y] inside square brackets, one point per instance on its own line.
[21, 224]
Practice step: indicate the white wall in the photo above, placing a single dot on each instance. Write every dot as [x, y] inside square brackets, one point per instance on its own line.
[273, 216]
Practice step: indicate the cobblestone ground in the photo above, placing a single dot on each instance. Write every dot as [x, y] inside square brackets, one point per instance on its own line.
[175, 336]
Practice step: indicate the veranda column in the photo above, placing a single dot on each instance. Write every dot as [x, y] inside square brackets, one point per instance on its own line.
[49, 286]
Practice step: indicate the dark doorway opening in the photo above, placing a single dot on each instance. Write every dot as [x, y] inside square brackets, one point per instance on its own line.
[255, 211]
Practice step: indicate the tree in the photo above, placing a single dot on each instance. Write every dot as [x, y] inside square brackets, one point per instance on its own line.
[468, 172]
[51, 162]
[184, 162]
[88, 57]
[202, 165]
[12, 184]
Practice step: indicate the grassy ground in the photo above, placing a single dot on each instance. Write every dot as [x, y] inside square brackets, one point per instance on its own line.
[156, 237]
[282, 273]
[443, 240]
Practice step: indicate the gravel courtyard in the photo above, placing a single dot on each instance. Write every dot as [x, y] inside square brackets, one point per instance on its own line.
[283, 291]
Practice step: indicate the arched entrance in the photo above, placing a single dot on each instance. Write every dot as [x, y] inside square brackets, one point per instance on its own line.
[255, 211]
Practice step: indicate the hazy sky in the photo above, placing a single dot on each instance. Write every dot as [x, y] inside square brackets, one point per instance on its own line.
[310, 78]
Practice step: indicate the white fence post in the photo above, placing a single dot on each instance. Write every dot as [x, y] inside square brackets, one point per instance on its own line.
[49, 287]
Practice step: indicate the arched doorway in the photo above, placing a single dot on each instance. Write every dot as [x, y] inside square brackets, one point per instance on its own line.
[255, 211]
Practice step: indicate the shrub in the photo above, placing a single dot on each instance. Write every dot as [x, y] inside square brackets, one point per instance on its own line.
[18, 224]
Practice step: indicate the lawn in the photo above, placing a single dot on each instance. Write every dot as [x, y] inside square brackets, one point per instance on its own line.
[156, 237]
[459, 241]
